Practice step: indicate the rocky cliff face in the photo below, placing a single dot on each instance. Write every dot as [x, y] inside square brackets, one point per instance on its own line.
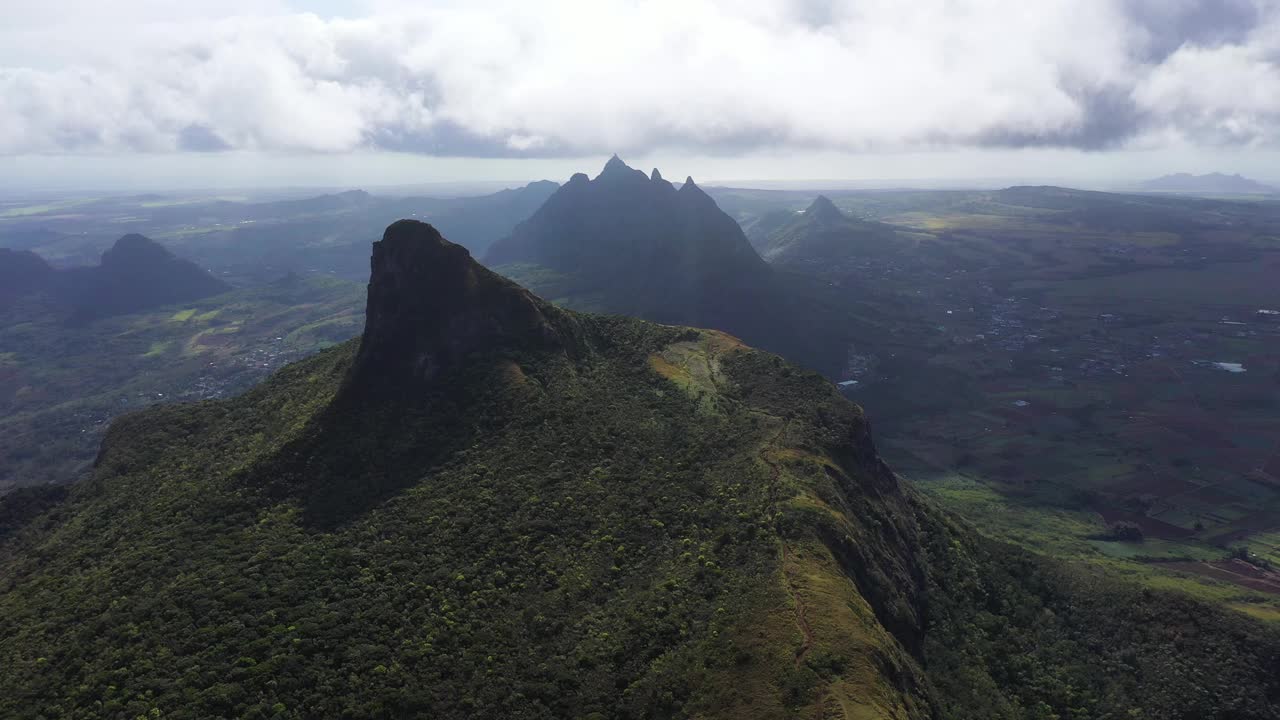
[431, 305]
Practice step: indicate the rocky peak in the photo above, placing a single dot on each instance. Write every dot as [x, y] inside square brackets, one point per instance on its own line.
[431, 305]
[823, 209]
[616, 171]
[691, 193]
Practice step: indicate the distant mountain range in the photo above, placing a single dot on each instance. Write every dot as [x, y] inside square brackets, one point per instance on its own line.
[1213, 183]
[259, 241]
[135, 274]
[629, 243]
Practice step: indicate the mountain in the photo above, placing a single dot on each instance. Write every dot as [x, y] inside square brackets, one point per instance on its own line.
[822, 234]
[665, 245]
[1213, 183]
[629, 243]
[21, 272]
[258, 242]
[136, 273]
[489, 506]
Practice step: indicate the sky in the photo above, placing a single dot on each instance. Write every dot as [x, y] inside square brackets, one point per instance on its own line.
[208, 93]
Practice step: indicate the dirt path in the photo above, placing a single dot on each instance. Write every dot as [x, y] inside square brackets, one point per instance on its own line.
[793, 585]
[802, 611]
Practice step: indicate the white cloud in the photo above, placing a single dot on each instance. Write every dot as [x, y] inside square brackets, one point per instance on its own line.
[560, 77]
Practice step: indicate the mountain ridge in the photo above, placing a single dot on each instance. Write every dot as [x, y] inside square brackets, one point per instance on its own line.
[1208, 183]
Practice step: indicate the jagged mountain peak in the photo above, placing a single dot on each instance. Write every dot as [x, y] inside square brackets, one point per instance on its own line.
[695, 196]
[430, 305]
[617, 169]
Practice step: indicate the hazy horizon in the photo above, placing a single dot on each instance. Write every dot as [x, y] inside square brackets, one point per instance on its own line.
[396, 172]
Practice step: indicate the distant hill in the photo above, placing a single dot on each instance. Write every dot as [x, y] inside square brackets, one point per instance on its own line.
[492, 507]
[135, 274]
[822, 234]
[629, 243]
[1213, 183]
[21, 272]
[476, 222]
[256, 242]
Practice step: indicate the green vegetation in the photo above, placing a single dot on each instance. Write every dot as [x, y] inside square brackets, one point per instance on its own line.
[44, 209]
[579, 516]
[59, 393]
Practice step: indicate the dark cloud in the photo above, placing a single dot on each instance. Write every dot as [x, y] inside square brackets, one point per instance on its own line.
[449, 139]
[1109, 118]
[1170, 24]
[200, 138]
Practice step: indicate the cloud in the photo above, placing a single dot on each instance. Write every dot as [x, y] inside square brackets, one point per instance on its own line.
[505, 78]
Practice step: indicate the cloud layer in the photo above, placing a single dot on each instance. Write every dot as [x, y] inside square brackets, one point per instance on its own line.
[507, 78]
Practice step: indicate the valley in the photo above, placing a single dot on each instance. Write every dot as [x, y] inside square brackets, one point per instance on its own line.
[1066, 361]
